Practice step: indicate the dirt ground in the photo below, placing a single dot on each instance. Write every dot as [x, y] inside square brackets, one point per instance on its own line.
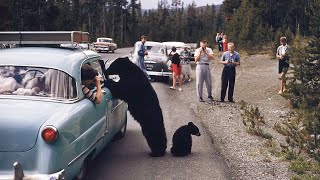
[257, 84]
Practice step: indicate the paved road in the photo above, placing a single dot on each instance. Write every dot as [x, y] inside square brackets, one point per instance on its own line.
[128, 158]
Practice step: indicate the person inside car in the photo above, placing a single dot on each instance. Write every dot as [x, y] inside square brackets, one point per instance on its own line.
[89, 76]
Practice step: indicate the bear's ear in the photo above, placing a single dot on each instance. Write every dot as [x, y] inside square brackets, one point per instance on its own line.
[190, 124]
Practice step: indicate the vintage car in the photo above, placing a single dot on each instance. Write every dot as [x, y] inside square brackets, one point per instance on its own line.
[48, 128]
[192, 48]
[178, 45]
[157, 61]
[104, 44]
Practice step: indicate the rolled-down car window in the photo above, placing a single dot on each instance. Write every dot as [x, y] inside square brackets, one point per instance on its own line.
[36, 81]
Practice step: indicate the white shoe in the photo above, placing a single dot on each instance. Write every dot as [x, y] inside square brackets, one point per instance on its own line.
[180, 89]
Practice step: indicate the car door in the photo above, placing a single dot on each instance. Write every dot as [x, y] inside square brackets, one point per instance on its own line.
[118, 107]
[103, 107]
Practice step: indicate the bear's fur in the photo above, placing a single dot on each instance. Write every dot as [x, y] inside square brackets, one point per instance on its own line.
[143, 103]
[182, 140]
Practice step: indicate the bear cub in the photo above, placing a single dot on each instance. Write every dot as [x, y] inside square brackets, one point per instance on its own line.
[182, 141]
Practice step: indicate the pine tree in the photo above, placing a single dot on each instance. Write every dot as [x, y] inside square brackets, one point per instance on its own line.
[5, 13]
[305, 82]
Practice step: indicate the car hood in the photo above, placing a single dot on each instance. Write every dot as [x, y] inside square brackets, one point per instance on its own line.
[21, 120]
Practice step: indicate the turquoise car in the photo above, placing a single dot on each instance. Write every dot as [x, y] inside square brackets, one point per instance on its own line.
[48, 128]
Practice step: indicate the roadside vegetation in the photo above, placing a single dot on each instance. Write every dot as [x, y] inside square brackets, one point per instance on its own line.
[301, 128]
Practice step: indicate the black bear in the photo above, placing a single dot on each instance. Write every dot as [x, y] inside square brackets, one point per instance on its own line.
[182, 141]
[127, 81]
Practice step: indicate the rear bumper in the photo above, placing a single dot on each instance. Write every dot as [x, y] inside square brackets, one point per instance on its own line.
[156, 73]
[19, 174]
[101, 48]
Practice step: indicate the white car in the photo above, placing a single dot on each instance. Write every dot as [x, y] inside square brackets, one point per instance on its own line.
[178, 45]
[105, 44]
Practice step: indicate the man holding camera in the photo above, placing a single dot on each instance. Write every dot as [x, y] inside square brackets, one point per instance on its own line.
[88, 77]
[230, 59]
[203, 56]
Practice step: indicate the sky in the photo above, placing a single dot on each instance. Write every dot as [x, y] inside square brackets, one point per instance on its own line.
[153, 4]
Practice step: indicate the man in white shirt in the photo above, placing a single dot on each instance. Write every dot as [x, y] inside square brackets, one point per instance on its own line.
[203, 56]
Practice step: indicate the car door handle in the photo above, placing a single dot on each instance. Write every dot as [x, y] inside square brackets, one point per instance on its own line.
[103, 91]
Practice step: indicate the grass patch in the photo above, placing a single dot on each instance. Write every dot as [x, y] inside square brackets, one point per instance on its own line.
[253, 120]
[305, 169]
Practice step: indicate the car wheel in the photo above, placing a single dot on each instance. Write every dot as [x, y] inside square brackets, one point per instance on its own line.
[84, 170]
[154, 78]
[165, 79]
[113, 51]
[122, 131]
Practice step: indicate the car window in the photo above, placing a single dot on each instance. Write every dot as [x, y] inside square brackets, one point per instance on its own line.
[96, 65]
[105, 40]
[153, 49]
[36, 81]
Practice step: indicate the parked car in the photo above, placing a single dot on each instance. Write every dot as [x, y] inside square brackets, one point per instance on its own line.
[192, 48]
[178, 45]
[48, 129]
[76, 45]
[104, 44]
[157, 61]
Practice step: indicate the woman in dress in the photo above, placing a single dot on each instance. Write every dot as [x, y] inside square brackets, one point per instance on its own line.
[176, 67]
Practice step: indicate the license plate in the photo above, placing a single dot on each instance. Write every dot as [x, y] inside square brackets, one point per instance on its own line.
[149, 66]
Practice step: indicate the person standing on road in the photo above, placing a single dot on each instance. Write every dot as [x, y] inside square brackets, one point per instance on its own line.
[218, 38]
[176, 69]
[185, 62]
[203, 56]
[225, 43]
[282, 55]
[230, 59]
[141, 53]
[220, 44]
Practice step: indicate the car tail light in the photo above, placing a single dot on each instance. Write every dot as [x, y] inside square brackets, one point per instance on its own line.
[49, 134]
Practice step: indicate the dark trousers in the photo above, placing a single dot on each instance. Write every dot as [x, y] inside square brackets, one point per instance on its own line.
[228, 78]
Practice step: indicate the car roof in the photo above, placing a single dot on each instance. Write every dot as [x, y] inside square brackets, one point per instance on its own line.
[64, 59]
[174, 43]
[151, 43]
[105, 38]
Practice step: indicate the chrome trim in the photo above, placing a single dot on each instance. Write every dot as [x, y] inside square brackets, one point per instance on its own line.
[19, 175]
[18, 171]
[151, 62]
[117, 106]
[45, 99]
[85, 151]
[157, 73]
[50, 127]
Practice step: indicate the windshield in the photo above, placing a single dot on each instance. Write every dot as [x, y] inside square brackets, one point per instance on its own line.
[152, 49]
[36, 81]
[105, 40]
